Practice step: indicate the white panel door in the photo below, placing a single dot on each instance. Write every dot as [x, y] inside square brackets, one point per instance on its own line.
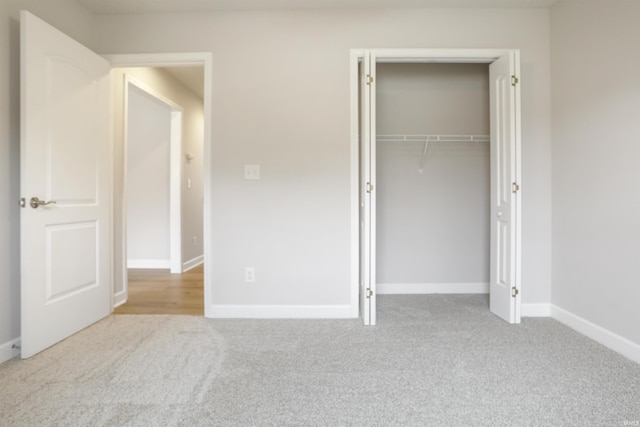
[65, 164]
[505, 246]
[367, 188]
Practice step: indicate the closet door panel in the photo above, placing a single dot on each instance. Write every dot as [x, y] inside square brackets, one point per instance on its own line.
[367, 187]
[504, 294]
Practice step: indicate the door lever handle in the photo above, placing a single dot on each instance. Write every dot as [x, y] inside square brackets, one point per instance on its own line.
[35, 202]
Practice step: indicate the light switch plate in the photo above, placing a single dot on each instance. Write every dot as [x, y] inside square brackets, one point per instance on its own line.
[251, 171]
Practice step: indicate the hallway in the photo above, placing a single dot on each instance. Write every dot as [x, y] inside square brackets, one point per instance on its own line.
[160, 292]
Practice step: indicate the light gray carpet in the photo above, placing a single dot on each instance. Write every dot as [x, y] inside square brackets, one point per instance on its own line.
[431, 361]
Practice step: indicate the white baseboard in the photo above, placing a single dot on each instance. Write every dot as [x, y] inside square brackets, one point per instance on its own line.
[7, 351]
[119, 298]
[282, 312]
[192, 263]
[149, 263]
[535, 310]
[432, 288]
[597, 333]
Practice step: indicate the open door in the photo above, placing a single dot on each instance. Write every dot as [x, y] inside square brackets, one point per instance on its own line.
[367, 187]
[65, 185]
[505, 240]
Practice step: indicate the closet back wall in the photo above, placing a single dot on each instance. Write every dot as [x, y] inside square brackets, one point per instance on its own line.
[433, 226]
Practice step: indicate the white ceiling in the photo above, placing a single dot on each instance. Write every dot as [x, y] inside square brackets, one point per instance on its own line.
[166, 6]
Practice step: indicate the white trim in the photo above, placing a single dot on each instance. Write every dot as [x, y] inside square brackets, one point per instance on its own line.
[597, 333]
[7, 351]
[149, 263]
[464, 56]
[284, 311]
[518, 195]
[433, 288]
[193, 263]
[204, 59]
[355, 183]
[175, 192]
[120, 298]
[535, 310]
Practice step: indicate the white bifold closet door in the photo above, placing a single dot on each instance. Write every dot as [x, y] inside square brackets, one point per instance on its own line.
[367, 80]
[505, 214]
[505, 237]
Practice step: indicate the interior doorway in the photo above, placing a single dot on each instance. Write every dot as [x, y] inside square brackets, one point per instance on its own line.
[189, 188]
[505, 212]
[163, 182]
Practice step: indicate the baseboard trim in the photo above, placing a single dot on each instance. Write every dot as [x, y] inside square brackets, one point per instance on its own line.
[7, 351]
[535, 310]
[192, 263]
[432, 288]
[283, 312]
[597, 333]
[149, 263]
[119, 298]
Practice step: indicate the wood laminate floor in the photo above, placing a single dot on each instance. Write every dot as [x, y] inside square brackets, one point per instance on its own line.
[160, 292]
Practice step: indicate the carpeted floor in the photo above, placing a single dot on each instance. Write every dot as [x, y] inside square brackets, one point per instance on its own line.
[433, 360]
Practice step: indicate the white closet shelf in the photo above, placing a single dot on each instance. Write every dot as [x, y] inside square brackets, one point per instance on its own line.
[433, 138]
[427, 139]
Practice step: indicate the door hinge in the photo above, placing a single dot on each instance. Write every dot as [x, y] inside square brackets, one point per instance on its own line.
[369, 293]
[369, 187]
[369, 79]
[514, 80]
[23, 202]
[514, 292]
[515, 187]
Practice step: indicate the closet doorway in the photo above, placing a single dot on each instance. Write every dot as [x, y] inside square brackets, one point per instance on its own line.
[501, 144]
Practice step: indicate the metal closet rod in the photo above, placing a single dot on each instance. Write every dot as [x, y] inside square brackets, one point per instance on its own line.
[427, 139]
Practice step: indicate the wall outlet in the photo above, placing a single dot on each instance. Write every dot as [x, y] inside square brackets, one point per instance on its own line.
[250, 275]
[195, 241]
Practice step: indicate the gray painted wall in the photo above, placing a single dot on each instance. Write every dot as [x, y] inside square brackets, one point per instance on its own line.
[596, 202]
[281, 100]
[433, 226]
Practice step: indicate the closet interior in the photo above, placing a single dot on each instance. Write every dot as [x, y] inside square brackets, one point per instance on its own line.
[433, 178]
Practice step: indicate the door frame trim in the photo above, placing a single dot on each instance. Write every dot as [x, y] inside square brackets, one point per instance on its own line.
[422, 56]
[204, 59]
